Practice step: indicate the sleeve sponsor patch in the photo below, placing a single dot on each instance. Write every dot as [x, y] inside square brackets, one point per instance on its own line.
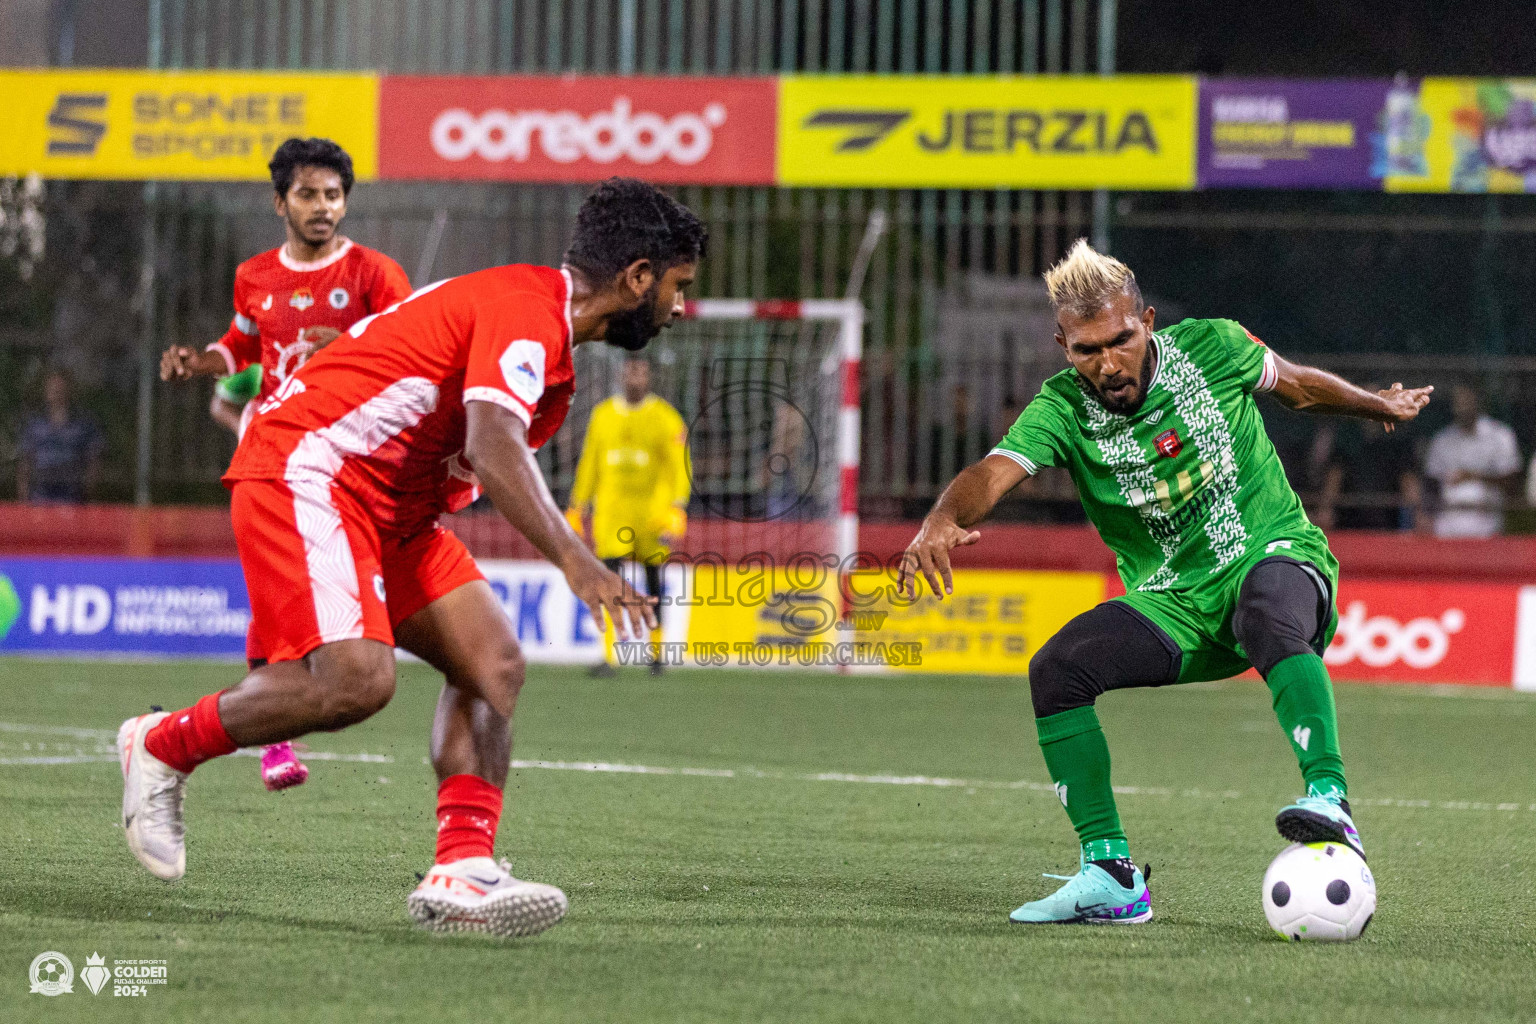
[522, 366]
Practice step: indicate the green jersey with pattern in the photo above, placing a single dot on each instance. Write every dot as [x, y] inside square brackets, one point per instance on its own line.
[1187, 486]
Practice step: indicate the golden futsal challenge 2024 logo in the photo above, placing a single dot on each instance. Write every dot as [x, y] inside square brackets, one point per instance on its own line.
[53, 974]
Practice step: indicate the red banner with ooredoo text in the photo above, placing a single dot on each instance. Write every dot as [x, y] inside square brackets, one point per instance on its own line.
[685, 131]
[1407, 631]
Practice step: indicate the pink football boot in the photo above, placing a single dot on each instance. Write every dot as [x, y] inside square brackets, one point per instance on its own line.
[281, 767]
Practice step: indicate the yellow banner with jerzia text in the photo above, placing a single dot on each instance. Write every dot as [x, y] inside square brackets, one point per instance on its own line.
[178, 125]
[940, 131]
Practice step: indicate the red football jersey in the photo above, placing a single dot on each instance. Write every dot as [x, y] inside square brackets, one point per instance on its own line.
[380, 410]
[278, 298]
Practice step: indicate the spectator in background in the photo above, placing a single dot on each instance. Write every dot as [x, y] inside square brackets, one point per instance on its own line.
[60, 450]
[1379, 470]
[1474, 461]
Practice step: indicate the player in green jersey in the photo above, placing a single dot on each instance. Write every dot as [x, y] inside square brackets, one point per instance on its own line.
[1222, 568]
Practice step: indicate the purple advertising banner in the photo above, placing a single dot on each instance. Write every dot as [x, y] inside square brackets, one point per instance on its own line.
[1291, 133]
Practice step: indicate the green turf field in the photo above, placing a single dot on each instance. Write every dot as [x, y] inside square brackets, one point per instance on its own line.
[794, 880]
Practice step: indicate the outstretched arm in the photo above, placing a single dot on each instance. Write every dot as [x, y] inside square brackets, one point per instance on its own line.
[965, 502]
[180, 362]
[496, 445]
[1306, 388]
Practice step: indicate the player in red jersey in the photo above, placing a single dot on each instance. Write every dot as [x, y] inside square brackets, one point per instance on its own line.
[289, 302]
[292, 300]
[337, 488]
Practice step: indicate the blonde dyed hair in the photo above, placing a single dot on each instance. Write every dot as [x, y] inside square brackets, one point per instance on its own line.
[1086, 280]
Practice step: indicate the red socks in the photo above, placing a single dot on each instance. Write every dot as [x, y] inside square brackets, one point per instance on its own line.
[190, 736]
[468, 807]
[468, 810]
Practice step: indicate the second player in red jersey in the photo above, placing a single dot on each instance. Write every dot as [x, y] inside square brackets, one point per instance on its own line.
[290, 301]
[279, 301]
[293, 300]
[337, 489]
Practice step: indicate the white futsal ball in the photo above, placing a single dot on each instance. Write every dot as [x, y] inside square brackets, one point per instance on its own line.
[1319, 892]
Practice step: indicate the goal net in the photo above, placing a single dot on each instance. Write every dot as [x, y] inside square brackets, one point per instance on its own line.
[769, 392]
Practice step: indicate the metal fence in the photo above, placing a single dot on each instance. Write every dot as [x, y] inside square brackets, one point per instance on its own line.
[955, 339]
[635, 36]
[766, 243]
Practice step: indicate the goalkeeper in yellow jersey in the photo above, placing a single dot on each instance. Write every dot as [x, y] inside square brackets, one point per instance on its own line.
[634, 478]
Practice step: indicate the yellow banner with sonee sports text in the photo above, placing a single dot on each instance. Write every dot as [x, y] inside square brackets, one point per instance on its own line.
[940, 131]
[993, 623]
[178, 125]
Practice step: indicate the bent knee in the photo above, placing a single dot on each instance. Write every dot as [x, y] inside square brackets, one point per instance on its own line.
[357, 687]
[507, 674]
[1057, 682]
[1279, 614]
[496, 677]
[1047, 664]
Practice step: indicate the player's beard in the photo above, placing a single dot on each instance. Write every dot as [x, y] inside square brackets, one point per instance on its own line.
[633, 329]
[1127, 406]
[313, 234]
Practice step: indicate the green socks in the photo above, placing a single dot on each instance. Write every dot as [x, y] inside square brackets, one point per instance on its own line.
[1304, 704]
[1078, 760]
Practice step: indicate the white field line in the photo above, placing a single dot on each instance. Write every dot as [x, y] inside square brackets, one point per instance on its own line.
[304, 755]
[620, 768]
[110, 735]
[940, 782]
[102, 744]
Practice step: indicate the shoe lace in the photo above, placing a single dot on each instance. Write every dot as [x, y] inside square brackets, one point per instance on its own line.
[1081, 865]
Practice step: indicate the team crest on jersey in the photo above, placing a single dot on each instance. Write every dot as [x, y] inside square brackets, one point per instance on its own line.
[339, 298]
[302, 299]
[1168, 444]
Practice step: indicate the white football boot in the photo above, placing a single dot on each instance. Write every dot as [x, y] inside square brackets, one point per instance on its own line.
[477, 894]
[152, 798]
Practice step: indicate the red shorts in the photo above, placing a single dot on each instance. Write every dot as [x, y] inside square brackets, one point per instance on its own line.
[318, 570]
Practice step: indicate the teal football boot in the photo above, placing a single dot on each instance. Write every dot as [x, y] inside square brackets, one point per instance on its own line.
[1320, 819]
[1092, 896]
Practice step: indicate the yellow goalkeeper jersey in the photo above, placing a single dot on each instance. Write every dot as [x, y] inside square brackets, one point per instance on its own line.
[633, 471]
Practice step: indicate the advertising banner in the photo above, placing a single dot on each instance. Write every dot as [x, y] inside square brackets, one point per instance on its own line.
[1466, 135]
[181, 125]
[1290, 133]
[671, 130]
[993, 623]
[1425, 632]
[552, 626]
[942, 131]
[1525, 641]
[767, 617]
[123, 607]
